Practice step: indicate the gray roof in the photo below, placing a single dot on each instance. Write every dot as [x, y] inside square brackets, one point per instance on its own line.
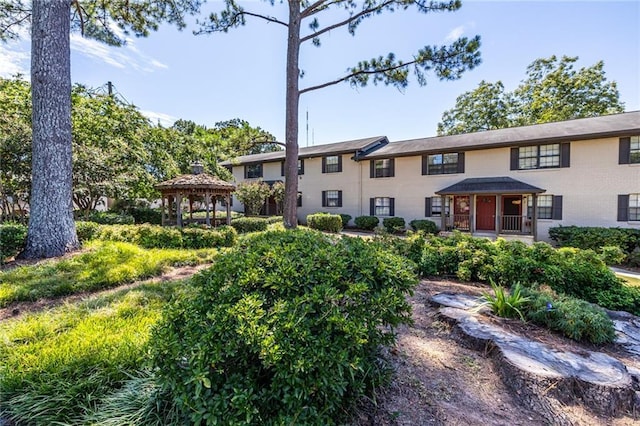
[624, 124]
[357, 147]
[490, 185]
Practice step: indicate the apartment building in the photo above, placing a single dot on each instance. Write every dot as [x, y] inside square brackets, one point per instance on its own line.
[515, 182]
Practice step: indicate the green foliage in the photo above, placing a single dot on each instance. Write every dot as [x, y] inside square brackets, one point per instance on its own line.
[612, 255]
[595, 238]
[249, 224]
[345, 219]
[424, 225]
[105, 265]
[57, 365]
[153, 236]
[503, 304]
[325, 222]
[575, 318]
[87, 230]
[146, 215]
[368, 223]
[12, 239]
[107, 218]
[277, 192]
[253, 195]
[551, 91]
[283, 329]
[394, 224]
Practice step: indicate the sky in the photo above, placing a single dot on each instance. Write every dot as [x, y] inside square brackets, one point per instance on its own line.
[241, 74]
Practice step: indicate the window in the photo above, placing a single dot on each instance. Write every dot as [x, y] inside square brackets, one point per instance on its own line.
[382, 168]
[252, 171]
[443, 164]
[540, 156]
[630, 150]
[629, 207]
[434, 206]
[300, 167]
[382, 206]
[549, 207]
[634, 151]
[332, 164]
[332, 198]
[634, 207]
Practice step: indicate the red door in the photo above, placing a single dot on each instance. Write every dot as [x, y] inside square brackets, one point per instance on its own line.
[486, 213]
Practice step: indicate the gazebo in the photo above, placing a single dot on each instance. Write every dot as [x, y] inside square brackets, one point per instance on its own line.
[193, 187]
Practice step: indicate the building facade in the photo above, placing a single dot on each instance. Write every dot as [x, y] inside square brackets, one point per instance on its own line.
[515, 182]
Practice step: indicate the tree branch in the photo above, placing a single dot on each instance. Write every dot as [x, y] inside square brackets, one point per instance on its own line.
[266, 18]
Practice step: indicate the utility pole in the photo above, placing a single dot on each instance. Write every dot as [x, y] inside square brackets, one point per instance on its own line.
[109, 88]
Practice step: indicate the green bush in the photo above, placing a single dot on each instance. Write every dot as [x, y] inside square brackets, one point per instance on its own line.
[612, 255]
[108, 218]
[273, 219]
[595, 238]
[572, 317]
[368, 223]
[249, 224]
[345, 219]
[325, 222]
[146, 215]
[424, 225]
[394, 224]
[153, 236]
[87, 230]
[283, 329]
[503, 304]
[12, 239]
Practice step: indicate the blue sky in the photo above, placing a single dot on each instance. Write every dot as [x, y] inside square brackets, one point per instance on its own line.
[217, 77]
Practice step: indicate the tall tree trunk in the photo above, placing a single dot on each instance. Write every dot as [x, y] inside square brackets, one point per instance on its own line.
[51, 231]
[291, 125]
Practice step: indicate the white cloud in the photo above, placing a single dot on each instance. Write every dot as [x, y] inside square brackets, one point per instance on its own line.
[13, 60]
[455, 33]
[159, 117]
[127, 56]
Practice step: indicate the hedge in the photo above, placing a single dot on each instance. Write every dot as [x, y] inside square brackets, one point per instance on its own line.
[393, 224]
[12, 239]
[325, 222]
[368, 223]
[595, 238]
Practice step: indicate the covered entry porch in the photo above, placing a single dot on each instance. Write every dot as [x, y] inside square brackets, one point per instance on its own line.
[493, 206]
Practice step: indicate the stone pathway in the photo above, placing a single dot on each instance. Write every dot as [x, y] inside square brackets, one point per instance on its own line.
[548, 377]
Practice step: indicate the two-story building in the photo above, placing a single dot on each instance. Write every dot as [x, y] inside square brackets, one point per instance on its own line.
[511, 182]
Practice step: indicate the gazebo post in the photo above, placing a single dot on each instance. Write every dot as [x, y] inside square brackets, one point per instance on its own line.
[207, 200]
[179, 210]
[190, 208]
[169, 206]
[227, 198]
[162, 211]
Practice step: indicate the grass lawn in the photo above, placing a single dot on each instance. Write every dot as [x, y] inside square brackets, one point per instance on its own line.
[105, 265]
[57, 366]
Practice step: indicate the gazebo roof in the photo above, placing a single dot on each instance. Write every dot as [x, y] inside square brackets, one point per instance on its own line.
[199, 181]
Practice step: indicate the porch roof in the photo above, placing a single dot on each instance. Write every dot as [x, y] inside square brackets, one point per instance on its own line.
[490, 185]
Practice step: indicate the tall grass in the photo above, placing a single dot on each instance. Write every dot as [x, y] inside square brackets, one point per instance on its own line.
[57, 366]
[107, 264]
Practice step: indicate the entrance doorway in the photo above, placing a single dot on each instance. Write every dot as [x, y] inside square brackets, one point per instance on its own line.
[486, 213]
[512, 213]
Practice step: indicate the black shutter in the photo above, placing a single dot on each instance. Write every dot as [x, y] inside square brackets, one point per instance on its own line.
[339, 163]
[425, 164]
[372, 206]
[624, 154]
[392, 167]
[324, 164]
[461, 162]
[372, 168]
[339, 198]
[623, 207]
[282, 168]
[301, 170]
[565, 154]
[324, 198]
[392, 209]
[515, 152]
[556, 209]
[427, 207]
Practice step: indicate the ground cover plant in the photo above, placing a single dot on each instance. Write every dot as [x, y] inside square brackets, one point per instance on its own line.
[57, 366]
[153, 236]
[283, 329]
[103, 265]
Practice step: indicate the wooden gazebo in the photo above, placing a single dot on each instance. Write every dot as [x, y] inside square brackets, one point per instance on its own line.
[193, 187]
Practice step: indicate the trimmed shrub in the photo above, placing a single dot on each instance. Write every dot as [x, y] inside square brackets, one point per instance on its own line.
[595, 238]
[572, 317]
[368, 223]
[249, 224]
[345, 219]
[273, 219]
[87, 230]
[283, 329]
[424, 225]
[612, 255]
[325, 222]
[153, 236]
[394, 224]
[146, 215]
[107, 218]
[12, 239]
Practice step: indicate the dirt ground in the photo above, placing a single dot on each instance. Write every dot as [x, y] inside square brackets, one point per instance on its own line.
[440, 380]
